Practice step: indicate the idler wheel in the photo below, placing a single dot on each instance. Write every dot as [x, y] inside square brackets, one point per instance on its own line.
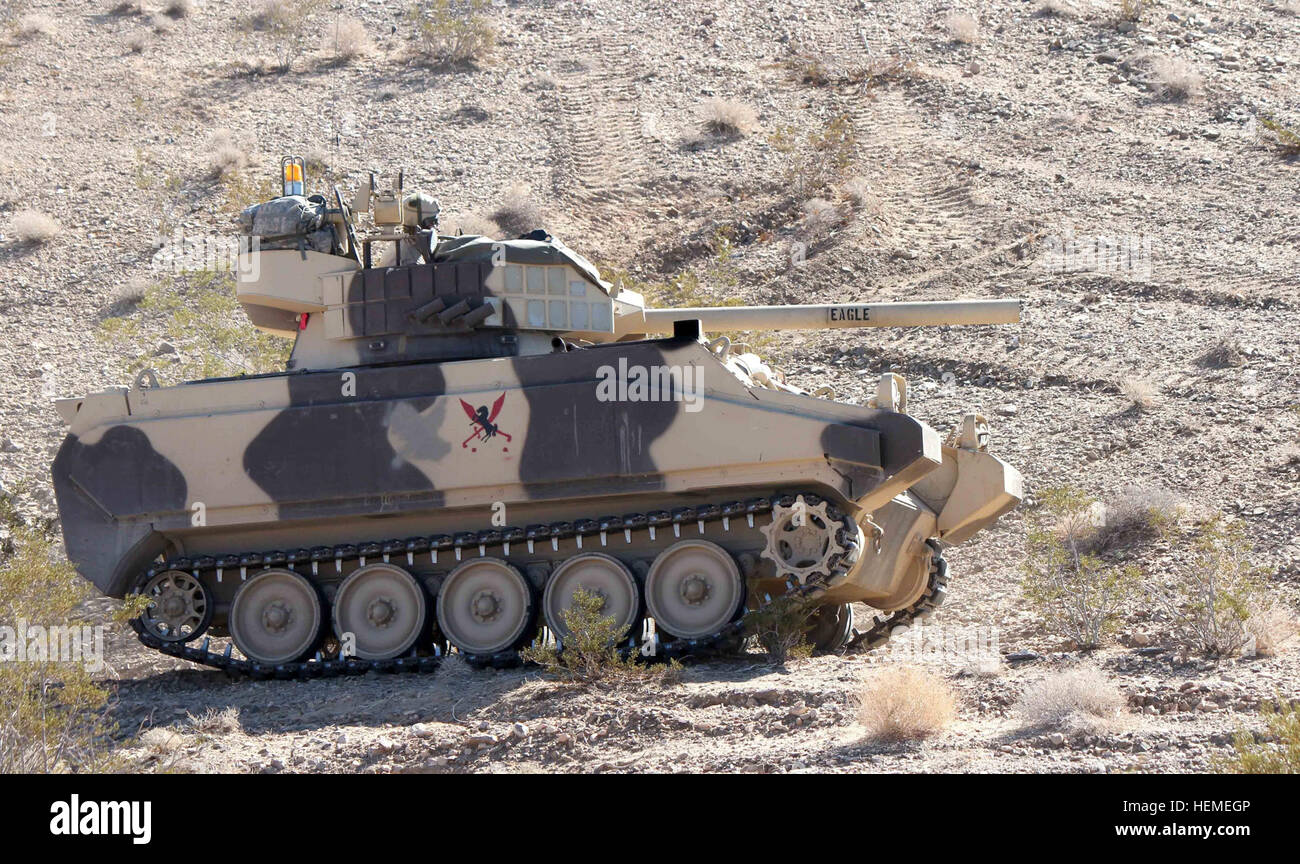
[485, 606]
[276, 617]
[693, 589]
[180, 606]
[384, 609]
[598, 574]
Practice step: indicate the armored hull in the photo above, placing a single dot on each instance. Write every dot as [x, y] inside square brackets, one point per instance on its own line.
[443, 466]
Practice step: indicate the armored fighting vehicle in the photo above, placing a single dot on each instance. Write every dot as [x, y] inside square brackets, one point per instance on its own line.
[471, 431]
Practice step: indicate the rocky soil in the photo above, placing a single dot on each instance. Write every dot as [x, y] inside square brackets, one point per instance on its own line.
[970, 166]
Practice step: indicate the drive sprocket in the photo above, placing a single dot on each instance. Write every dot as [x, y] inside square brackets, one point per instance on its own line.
[805, 540]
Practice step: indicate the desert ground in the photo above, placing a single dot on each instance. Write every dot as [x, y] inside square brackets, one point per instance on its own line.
[957, 150]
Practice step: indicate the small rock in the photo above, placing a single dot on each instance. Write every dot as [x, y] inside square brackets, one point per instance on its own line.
[163, 348]
[422, 730]
[1056, 739]
[519, 730]
[481, 740]
[383, 745]
[11, 446]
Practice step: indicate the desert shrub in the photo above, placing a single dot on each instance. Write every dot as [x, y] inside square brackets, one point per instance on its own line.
[34, 227]
[780, 628]
[904, 703]
[1077, 594]
[1133, 10]
[1224, 354]
[962, 27]
[1210, 599]
[726, 118]
[590, 654]
[51, 710]
[518, 212]
[286, 23]
[1277, 751]
[1078, 700]
[819, 159]
[452, 33]
[1281, 136]
[809, 64]
[137, 42]
[1141, 394]
[1175, 79]
[349, 39]
[179, 8]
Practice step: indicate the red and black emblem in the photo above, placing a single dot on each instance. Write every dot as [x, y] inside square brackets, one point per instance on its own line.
[484, 423]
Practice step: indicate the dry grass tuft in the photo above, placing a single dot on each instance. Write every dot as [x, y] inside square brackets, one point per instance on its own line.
[725, 118]
[131, 292]
[1137, 515]
[1078, 700]
[161, 740]
[137, 42]
[213, 721]
[34, 24]
[226, 159]
[962, 27]
[1141, 394]
[179, 8]
[350, 39]
[1176, 79]
[1057, 8]
[858, 192]
[34, 227]
[820, 217]
[905, 703]
[1271, 626]
[518, 212]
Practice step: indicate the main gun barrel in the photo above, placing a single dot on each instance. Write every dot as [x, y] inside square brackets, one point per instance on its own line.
[819, 317]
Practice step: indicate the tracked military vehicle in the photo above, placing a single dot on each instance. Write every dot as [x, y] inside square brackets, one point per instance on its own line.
[473, 430]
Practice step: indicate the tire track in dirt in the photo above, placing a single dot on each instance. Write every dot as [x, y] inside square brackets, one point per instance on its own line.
[601, 146]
